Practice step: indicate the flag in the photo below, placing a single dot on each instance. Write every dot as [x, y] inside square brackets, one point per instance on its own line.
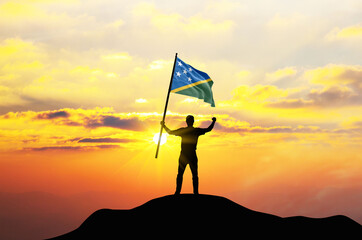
[189, 81]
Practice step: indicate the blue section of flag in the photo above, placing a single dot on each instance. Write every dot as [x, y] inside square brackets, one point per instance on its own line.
[185, 75]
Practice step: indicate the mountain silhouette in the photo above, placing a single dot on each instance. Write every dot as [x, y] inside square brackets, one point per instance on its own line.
[206, 216]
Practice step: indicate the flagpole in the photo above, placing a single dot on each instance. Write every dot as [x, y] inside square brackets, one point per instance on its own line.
[164, 112]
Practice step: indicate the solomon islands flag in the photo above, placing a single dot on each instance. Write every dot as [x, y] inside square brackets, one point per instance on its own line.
[192, 82]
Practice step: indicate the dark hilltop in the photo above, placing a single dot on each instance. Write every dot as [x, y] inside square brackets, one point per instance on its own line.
[206, 216]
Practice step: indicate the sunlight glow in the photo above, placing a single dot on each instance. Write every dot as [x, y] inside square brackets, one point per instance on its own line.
[163, 138]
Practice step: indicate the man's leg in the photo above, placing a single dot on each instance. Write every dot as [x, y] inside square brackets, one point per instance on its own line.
[182, 163]
[195, 177]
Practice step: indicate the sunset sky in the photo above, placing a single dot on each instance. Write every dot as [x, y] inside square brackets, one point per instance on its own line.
[83, 86]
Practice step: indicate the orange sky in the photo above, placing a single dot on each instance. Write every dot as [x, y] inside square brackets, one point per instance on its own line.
[83, 85]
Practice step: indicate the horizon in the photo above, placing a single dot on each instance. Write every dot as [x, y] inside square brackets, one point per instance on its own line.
[83, 86]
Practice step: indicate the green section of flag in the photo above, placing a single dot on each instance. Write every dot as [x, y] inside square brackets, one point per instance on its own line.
[200, 91]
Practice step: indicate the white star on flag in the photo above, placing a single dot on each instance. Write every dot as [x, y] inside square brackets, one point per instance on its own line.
[178, 74]
[190, 69]
[189, 79]
[179, 63]
[185, 71]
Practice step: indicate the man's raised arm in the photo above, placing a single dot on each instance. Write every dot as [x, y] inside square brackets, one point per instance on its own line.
[211, 125]
[169, 131]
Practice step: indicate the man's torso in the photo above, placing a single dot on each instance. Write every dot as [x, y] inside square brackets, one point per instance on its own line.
[190, 136]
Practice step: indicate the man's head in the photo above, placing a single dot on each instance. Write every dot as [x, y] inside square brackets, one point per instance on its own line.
[190, 120]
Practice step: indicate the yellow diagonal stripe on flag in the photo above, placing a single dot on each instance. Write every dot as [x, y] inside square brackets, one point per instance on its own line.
[191, 85]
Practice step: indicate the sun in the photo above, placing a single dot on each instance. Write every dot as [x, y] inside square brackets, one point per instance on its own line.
[163, 138]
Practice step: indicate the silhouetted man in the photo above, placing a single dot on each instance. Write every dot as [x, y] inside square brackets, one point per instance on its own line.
[188, 155]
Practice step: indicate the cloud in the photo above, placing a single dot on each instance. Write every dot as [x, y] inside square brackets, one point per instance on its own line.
[358, 124]
[352, 124]
[29, 18]
[34, 77]
[105, 140]
[342, 87]
[351, 32]
[16, 9]
[258, 93]
[333, 74]
[335, 97]
[18, 50]
[255, 99]
[331, 97]
[141, 100]
[115, 122]
[177, 24]
[93, 118]
[261, 129]
[280, 74]
[88, 118]
[224, 129]
[63, 127]
[159, 64]
[72, 148]
[230, 125]
[55, 114]
[88, 129]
